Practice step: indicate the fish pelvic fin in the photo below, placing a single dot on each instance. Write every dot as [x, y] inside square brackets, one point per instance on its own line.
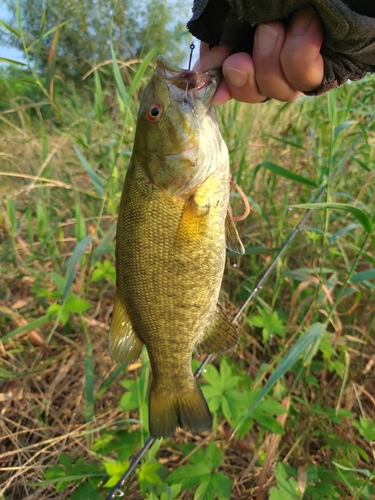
[124, 345]
[220, 335]
[233, 240]
[169, 410]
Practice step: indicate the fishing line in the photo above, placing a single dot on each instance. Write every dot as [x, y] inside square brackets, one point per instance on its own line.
[117, 490]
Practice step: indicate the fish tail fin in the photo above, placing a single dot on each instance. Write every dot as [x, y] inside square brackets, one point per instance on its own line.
[171, 409]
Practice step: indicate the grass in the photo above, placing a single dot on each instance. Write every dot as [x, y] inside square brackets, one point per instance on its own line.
[71, 420]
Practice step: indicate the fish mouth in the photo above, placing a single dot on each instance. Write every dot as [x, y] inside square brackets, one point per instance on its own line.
[196, 85]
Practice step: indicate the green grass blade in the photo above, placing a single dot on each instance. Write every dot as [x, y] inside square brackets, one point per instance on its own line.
[10, 29]
[95, 179]
[299, 348]
[73, 262]
[81, 232]
[365, 472]
[119, 82]
[140, 73]
[36, 323]
[40, 41]
[142, 390]
[46, 34]
[10, 61]
[359, 214]
[109, 381]
[104, 245]
[284, 172]
[89, 410]
[98, 96]
[367, 275]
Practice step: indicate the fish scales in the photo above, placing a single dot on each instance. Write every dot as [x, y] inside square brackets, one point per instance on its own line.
[171, 241]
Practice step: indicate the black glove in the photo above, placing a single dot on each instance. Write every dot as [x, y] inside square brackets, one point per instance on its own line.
[348, 48]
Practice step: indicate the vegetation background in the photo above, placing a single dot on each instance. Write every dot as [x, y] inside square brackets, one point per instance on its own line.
[294, 404]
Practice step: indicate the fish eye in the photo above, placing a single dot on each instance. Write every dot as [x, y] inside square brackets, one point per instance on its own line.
[154, 112]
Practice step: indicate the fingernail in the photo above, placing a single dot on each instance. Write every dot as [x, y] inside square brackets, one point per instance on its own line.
[236, 77]
[266, 39]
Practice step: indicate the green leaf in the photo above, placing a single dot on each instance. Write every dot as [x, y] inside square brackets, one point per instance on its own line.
[129, 401]
[203, 491]
[214, 456]
[222, 484]
[76, 305]
[115, 470]
[366, 427]
[86, 492]
[272, 407]
[54, 472]
[212, 376]
[59, 281]
[287, 487]
[283, 172]
[148, 474]
[189, 475]
[269, 423]
[359, 214]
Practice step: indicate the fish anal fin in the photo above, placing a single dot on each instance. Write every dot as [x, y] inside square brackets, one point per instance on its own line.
[233, 240]
[220, 336]
[124, 345]
[185, 408]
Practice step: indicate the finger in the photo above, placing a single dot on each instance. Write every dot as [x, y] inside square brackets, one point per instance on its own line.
[238, 70]
[222, 94]
[268, 42]
[214, 58]
[211, 58]
[300, 56]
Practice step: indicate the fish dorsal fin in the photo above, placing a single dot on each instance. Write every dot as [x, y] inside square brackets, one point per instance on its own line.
[124, 344]
[233, 240]
[220, 335]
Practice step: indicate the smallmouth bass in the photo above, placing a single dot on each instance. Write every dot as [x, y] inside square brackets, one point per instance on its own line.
[173, 229]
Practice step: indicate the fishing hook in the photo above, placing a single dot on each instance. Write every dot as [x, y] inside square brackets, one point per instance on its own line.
[191, 47]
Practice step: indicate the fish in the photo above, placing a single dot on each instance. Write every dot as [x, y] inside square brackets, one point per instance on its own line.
[172, 233]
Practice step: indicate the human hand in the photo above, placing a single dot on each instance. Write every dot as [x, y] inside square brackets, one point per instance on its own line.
[286, 61]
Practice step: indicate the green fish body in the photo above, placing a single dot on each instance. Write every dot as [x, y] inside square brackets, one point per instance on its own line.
[173, 229]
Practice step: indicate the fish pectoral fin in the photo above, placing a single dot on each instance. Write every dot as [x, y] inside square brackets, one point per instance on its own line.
[124, 344]
[233, 240]
[220, 335]
[193, 222]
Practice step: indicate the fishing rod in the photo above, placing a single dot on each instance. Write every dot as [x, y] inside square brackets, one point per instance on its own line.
[117, 490]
